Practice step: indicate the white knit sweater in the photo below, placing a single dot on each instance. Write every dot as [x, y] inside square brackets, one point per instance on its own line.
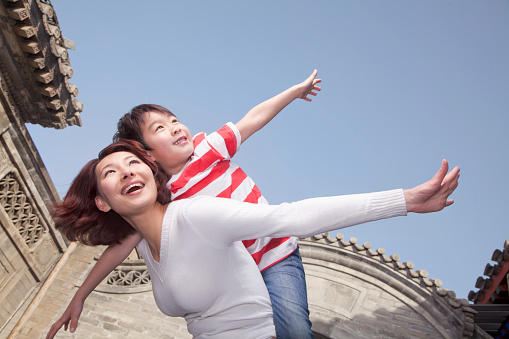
[205, 273]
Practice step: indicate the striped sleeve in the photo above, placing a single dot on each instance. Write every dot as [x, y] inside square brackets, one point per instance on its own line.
[226, 141]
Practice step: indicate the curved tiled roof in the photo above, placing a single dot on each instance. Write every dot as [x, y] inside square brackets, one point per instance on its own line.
[405, 270]
[36, 65]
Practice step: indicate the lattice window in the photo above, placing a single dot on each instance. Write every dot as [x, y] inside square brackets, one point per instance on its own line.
[14, 202]
[129, 277]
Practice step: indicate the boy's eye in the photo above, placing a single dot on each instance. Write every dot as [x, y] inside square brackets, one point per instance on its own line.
[159, 127]
[174, 121]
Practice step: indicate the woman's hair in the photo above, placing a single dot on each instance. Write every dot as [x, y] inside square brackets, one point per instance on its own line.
[128, 127]
[77, 216]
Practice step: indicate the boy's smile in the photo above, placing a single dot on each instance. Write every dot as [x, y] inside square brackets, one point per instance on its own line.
[180, 140]
[170, 141]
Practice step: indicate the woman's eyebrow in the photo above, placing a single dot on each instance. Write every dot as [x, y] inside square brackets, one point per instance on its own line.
[102, 168]
[110, 164]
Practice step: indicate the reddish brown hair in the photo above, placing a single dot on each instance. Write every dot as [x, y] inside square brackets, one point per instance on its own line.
[128, 127]
[78, 218]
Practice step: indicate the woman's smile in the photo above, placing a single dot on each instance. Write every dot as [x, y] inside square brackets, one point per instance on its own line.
[133, 188]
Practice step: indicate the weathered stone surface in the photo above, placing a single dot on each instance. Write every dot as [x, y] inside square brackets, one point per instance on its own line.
[29, 246]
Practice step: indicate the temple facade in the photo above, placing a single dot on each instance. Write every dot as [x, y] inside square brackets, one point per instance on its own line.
[34, 88]
[354, 291]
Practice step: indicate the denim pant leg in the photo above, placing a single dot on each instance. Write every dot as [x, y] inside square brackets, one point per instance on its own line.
[286, 284]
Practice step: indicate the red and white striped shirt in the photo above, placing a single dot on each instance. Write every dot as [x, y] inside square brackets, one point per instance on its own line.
[210, 172]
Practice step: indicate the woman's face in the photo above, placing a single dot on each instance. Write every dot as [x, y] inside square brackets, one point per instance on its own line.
[125, 184]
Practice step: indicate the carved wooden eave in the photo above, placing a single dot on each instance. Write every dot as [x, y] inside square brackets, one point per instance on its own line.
[492, 297]
[35, 66]
[493, 288]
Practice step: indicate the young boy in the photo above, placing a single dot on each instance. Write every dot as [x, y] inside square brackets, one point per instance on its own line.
[202, 166]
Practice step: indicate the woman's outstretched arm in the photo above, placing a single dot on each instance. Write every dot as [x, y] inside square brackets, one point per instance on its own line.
[218, 220]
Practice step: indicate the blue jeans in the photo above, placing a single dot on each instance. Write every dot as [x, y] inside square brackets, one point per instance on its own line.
[286, 284]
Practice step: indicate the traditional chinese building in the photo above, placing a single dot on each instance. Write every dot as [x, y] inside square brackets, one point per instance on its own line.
[354, 291]
[34, 88]
[491, 300]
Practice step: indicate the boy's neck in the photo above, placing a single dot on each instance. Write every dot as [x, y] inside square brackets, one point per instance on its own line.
[175, 169]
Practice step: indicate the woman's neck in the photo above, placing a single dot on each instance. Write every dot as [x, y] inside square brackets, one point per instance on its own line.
[149, 225]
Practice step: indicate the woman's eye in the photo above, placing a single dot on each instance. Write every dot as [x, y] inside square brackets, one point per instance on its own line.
[108, 172]
[132, 162]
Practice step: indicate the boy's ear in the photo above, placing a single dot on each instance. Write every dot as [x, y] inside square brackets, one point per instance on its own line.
[102, 205]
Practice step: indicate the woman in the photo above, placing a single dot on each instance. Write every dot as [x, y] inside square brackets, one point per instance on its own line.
[199, 268]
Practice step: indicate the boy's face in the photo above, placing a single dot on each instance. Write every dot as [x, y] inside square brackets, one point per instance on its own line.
[171, 142]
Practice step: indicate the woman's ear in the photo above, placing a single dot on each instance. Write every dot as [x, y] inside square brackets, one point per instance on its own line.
[102, 205]
[151, 157]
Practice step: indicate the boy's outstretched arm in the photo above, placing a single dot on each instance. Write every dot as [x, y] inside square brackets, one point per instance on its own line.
[261, 114]
[111, 258]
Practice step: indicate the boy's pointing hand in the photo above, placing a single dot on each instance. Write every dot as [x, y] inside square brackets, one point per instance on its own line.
[309, 87]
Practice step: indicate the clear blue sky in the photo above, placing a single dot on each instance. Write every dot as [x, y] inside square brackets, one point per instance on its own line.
[405, 84]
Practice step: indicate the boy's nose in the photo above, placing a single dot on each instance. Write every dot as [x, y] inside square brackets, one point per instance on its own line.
[176, 129]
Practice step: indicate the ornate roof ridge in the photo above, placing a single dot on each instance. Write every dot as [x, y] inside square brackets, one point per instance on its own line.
[393, 261]
[35, 24]
[418, 278]
[501, 259]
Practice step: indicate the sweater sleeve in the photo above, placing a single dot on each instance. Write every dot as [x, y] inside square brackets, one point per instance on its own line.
[217, 220]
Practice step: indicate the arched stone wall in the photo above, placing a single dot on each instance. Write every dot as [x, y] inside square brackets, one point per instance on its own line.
[356, 292]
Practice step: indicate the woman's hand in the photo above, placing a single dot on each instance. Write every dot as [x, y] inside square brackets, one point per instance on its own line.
[71, 314]
[433, 196]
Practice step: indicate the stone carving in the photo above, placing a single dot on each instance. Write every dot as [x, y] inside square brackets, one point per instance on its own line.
[129, 277]
[15, 203]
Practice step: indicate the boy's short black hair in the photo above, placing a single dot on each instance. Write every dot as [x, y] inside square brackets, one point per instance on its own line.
[128, 127]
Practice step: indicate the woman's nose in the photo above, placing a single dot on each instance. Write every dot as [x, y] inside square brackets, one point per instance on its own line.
[128, 174]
